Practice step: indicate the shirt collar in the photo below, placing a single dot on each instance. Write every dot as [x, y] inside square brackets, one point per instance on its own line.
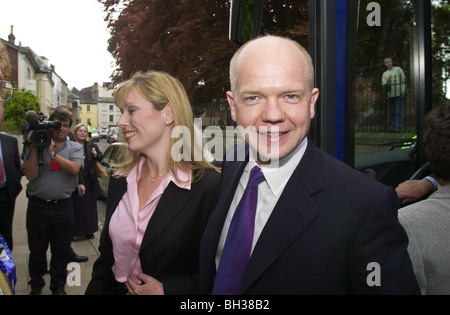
[183, 182]
[277, 174]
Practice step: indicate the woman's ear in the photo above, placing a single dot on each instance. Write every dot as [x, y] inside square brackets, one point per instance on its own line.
[169, 118]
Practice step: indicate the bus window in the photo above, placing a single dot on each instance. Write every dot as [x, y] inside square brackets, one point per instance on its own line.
[382, 85]
[384, 88]
[380, 67]
[245, 20]
[440, 52]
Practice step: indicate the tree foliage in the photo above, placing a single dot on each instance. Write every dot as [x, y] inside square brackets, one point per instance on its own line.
[15, 109]
[188, 39]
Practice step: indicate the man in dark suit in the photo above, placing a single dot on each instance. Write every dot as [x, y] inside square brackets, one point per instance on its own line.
[320, 227]
[11, 187]
[10, 173]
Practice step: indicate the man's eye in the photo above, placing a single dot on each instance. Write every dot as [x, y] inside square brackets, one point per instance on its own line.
[252, 98]
[292, 98]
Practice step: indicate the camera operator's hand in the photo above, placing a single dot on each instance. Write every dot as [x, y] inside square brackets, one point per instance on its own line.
[51, 148]
[29, 136]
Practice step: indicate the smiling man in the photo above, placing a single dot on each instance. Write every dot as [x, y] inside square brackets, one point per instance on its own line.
[290, 218]
[274, 95]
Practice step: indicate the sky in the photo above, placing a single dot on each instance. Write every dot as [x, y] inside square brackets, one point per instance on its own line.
[72, 34]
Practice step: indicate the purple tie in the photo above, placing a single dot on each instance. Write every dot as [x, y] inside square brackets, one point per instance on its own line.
[238, 245]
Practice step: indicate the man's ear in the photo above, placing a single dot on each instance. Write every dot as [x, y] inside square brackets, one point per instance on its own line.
[232, 103]
[312, 104]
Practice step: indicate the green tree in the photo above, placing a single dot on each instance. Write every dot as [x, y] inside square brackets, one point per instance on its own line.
[15, 109]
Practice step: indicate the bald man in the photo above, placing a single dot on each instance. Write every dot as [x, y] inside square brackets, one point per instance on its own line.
[318, 226]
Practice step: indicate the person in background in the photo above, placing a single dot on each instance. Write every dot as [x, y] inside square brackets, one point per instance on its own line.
[85, 197]
[50, 205]
[10, 172]
[427, 222]
[90, 129]
[394, 80]
[81, 188]
[305, 222]
[159, 199]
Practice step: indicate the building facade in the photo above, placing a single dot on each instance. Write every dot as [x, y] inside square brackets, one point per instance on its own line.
[97, 107]
[36, 74]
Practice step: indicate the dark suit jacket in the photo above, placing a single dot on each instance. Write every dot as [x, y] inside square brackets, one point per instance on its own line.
[170, 247]
[11, 163]
[330, 222]
[89, 161]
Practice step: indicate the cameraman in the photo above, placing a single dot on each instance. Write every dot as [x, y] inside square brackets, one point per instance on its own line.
[50, 207]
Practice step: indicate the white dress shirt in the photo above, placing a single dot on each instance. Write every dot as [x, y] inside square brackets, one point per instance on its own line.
[277, 175]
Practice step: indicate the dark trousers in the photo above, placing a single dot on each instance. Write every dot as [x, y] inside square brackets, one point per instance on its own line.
[6, 216]
[49, 224]
[396, 109]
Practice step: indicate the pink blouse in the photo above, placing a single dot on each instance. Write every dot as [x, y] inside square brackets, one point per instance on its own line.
[128, 224]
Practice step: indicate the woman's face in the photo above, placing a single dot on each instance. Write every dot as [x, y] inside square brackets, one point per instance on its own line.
[81, 133]
[144, 127]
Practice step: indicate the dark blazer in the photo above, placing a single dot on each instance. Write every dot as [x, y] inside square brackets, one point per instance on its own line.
[89, 161]
[330, 222]
[170, 247]
[11, 163]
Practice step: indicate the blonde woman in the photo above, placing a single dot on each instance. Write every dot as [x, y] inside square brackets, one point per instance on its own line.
[160, 199]
[85, 198]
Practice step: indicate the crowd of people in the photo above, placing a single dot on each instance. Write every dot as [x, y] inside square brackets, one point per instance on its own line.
[287, 219]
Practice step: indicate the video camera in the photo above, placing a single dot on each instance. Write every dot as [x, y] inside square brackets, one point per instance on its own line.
[42, 136]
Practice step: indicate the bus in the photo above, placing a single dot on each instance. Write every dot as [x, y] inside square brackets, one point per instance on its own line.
[350, 42]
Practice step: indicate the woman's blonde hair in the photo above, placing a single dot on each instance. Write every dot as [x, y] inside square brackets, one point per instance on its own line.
[76, 129]
[160, 89]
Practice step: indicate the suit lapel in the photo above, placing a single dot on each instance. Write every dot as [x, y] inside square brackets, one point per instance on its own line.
[170, 204]
[215, 224]
[6, 148]
[116, 190]
[294, 211]
[229, 185]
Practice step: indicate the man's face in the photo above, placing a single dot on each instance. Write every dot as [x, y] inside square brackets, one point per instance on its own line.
[60, 135]
[273, 95]
[388, 63]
